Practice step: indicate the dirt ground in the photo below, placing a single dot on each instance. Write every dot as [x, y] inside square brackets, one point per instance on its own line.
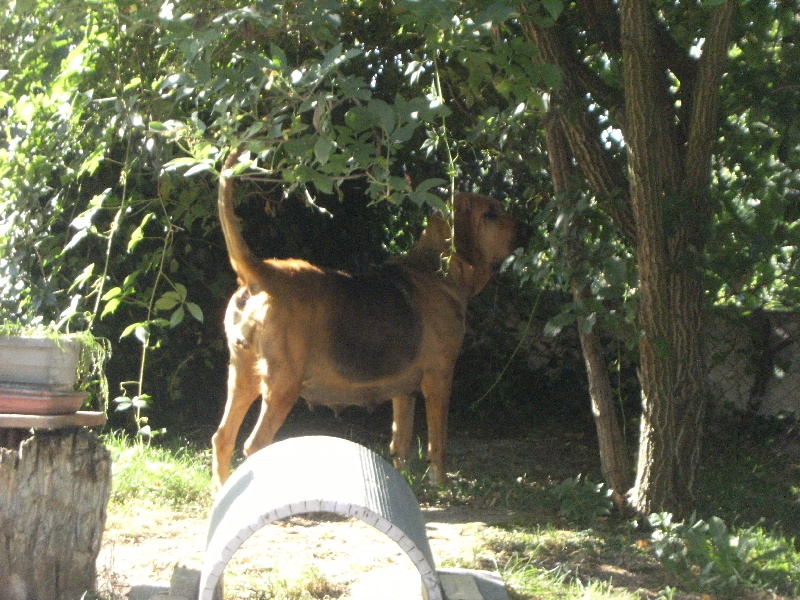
[142, 546]
[140, 551]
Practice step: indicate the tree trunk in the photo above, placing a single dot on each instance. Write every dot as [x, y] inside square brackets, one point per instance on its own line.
[660, 206]
[613, 454]
[53, 495]
[669, 173]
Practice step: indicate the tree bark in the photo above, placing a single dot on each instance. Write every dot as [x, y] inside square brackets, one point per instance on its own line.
[613, 454]
[660, 206]
[668, 182]
[53, 496]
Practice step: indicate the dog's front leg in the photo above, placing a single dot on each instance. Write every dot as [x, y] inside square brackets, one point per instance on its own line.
[436, 388]
[402, 430]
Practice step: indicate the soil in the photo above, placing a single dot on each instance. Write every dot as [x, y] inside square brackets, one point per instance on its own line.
[141, 549]
[142, 545]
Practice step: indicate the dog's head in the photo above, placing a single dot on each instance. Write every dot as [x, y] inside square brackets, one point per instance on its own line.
[485, 235]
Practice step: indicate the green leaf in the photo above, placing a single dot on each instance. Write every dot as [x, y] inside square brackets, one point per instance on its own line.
[142, 333]
[168, 301]
[114, 292]
[140, 401]
[432, 200]
[428, 184]
[384, 114]
[84, 276]
[195, 311]
[123, 404]
[323, 183]
[614, 272]
[199, 168]
[110, 307]
[551, 75]
[138, 233]
[553, 7]
[554, 326]
[402, 134]
[323, 149]
[129, 330]
[181, 290]
[177, 317]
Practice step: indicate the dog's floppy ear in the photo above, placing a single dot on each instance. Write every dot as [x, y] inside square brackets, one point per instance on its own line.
[463, 274]
[465, 241]
[432, 245]
[436, 234]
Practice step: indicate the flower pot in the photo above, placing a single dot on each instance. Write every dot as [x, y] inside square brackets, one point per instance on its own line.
[49, 363]
[39, 401]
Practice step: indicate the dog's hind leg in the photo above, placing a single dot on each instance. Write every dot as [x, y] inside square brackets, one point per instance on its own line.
[242, 392]
[402, 430]
[436, 387]
[276, 403]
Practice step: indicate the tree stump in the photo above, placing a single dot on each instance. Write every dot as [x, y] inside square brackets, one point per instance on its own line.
[53, 496]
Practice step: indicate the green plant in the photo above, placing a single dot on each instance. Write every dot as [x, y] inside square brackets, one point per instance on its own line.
[95, 352]
[310, 584]
[709, 556]
[582, 501]
[704, 550]
[523, 565]
[158, 474]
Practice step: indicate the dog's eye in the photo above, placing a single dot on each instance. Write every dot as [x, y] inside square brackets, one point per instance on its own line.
[492, 215]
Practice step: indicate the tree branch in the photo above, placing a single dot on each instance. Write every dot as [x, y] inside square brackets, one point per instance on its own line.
[604, 175]
[703, 122]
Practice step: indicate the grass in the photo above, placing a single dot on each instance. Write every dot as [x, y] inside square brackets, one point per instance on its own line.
[560, 542]
[311, 584]
[174, 475]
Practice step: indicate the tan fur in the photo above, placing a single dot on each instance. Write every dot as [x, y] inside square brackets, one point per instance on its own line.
[282, 329]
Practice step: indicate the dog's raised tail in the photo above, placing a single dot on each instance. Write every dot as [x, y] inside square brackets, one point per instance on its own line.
[244, 262]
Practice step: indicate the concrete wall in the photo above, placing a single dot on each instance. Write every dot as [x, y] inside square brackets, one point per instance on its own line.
[754, 362]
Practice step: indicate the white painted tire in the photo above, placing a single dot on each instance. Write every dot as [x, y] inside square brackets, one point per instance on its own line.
[315, 474]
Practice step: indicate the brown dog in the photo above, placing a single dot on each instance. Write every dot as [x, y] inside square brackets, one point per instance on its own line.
[296, 330]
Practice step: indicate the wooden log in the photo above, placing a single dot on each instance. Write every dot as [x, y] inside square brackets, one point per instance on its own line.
[53, 496]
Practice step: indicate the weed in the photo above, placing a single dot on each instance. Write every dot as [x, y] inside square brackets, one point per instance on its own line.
[487, 490]
[526, 580]
[707, 555]
[582, 501]
[156, 474]
[309, 585]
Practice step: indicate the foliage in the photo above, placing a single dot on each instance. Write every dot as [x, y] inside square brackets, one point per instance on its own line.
[157, 475]
[718, 560]
[50, 125]
[582, 501]
[311, 584]
[304, 115]
[753, 251]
